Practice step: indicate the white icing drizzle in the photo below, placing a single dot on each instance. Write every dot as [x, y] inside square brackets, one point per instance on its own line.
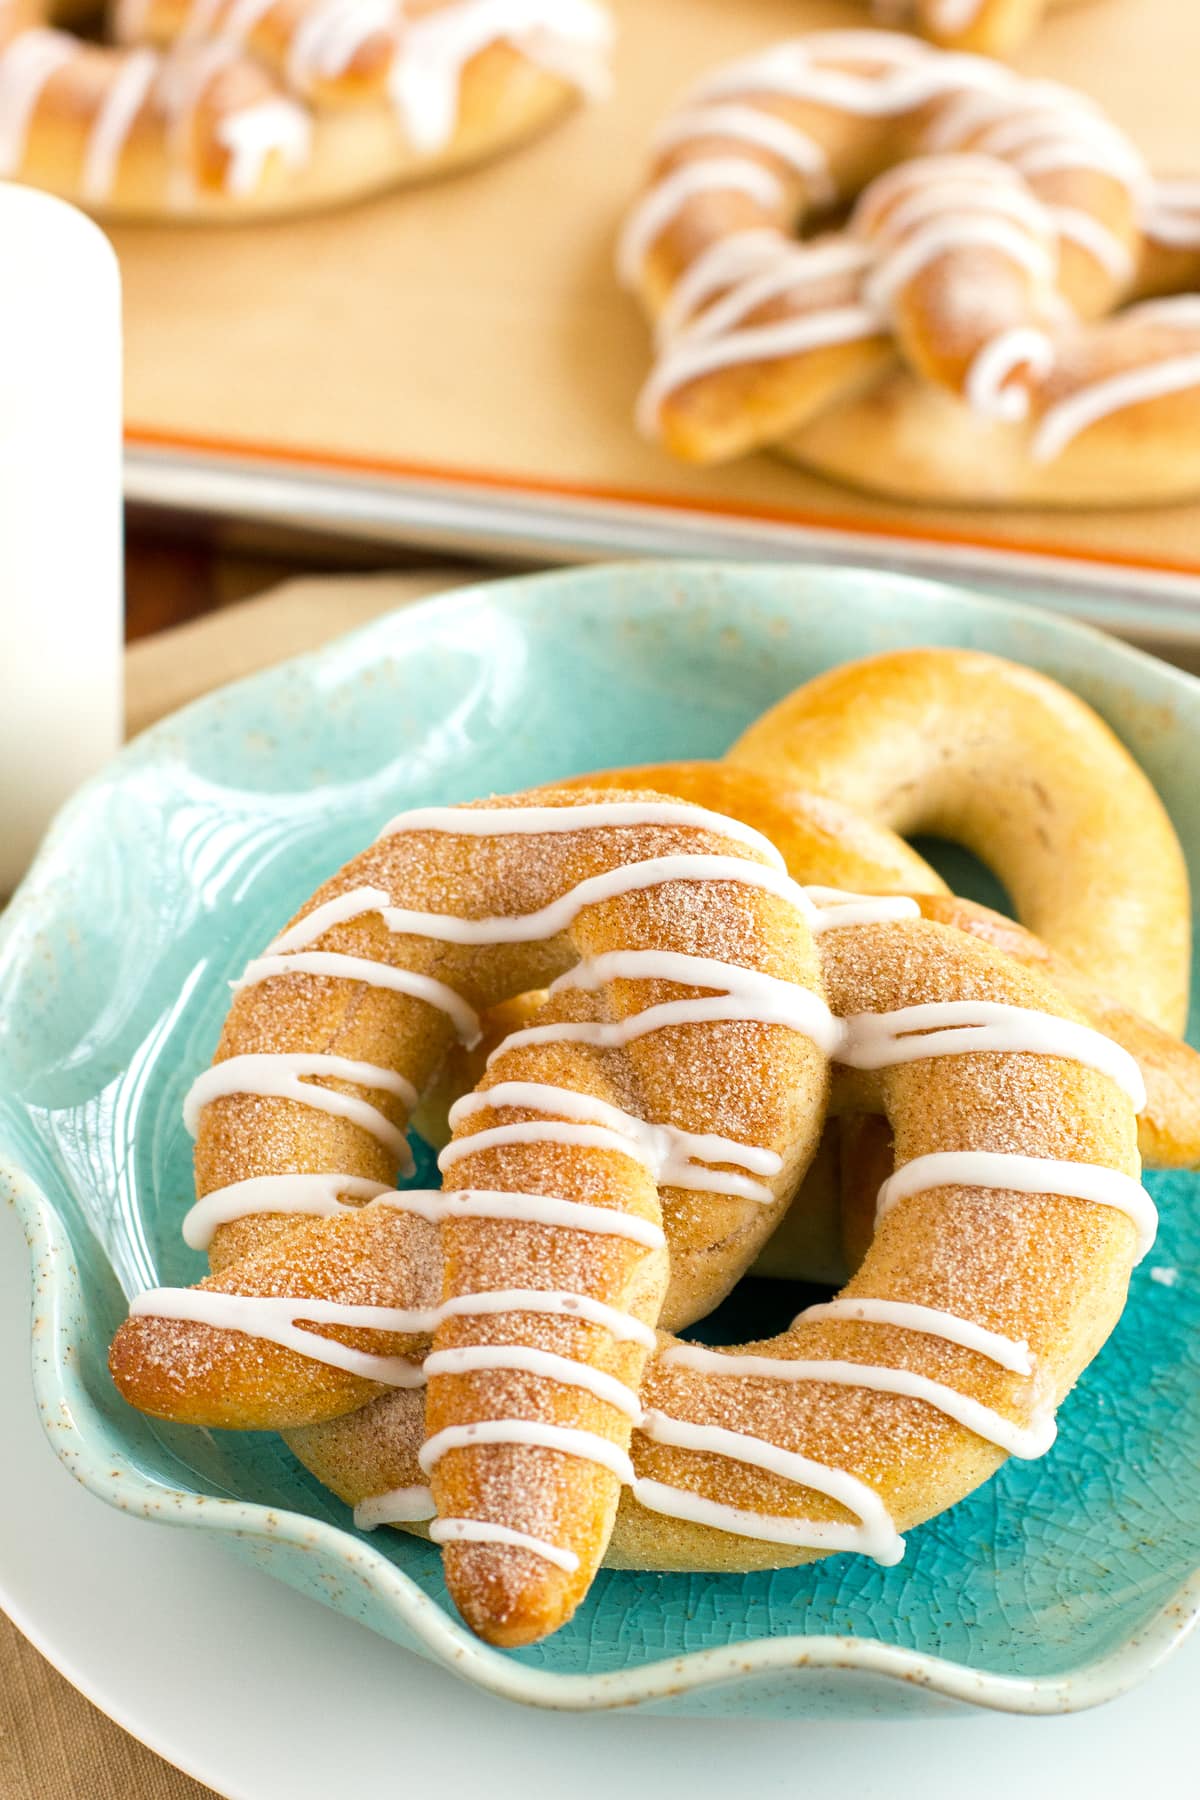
[241, 19]
[1170, 213]
[912, 192]
[797, 267]
[593, 815]
[797, 150]
[990, 389]
[1006, 1170]
[1038, 128]
[962, 1027]
[474, 1359]
[1023, 1441]
[183, 79]
[483, 1531]
[251, 136]
[954, 15]
[123, 100]
[280, 1075]
[671, 1153]
[536, 1433]
[1179, 311]
[686, 361]
[1065, 144]
[874, 1535]
[759, 998]
[948, 236]
[1104, 246]
[546, 1131]
[1008, 1353]
[836, 909]
[570, 39]
[329, 36]
[552, 1302]
[661, 204]
[529, 1209]
[355, 903]
[315, 1195]
[548, 921]
[274, 1319]
[921, 212]
[1063, 422]
[398, 1506]
[361, 968]
[747, 996]
[27, 63]
[725, 262]
[767, 1528]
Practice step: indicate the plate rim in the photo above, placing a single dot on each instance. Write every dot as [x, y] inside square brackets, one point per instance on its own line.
[446, 1641]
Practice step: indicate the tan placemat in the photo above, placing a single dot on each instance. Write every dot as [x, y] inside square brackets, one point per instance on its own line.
[54, 1745]
[473, 327]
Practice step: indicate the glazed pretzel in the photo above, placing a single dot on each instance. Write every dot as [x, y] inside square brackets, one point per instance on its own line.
[953, 340]
[220, 109]
[541, 1403]
[991, 27]
[948, 1350]
[543, 1282]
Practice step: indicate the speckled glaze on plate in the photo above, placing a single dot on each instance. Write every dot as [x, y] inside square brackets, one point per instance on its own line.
[1056, 1586]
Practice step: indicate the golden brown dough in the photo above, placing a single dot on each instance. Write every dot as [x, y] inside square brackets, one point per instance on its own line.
[969, 333]
[257, 108]
[997, 757]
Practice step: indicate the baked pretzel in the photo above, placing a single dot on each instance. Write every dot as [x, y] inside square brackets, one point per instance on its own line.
[990, 27]
[984, 1292]
[228, 109]
[957, 338]
[541, 1400]
[627, 1150]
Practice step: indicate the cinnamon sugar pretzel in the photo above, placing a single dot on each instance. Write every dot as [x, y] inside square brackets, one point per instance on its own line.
[624, 1155]
[948, 1350]
[994, 321]
[228, 109]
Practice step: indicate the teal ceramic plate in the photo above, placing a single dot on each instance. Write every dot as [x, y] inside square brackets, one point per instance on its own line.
[1058, 1584]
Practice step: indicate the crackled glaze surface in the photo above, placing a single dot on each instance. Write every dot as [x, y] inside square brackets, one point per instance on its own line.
[1058, 1583]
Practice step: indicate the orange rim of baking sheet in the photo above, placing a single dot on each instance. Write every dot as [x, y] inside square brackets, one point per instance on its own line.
[522, 486]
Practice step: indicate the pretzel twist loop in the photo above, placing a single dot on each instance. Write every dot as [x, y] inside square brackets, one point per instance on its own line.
[988, 323]
[222, 109]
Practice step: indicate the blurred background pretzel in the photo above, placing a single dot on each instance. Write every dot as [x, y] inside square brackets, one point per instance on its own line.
[977, 327]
